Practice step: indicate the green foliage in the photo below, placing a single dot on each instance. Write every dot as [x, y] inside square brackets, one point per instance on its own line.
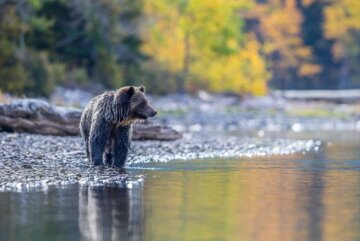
[38, 71]
[66, 42]
[158, 79]
[108, 70]
[12, 75]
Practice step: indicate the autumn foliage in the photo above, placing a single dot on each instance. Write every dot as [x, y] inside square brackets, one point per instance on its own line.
[239, 46]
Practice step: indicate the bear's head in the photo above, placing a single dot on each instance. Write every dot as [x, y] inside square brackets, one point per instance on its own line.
[139, 105]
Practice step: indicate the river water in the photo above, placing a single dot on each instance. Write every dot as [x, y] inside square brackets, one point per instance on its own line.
[313, 196]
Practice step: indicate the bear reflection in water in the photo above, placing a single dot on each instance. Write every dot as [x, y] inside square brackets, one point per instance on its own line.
[111, 213]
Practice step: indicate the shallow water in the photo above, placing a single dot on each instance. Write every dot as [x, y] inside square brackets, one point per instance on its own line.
[314, 196]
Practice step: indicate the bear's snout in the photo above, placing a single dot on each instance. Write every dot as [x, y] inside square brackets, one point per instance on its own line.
[150, 112]
[153, 113]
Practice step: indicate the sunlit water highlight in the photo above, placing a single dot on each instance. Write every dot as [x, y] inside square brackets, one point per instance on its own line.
[313, 196]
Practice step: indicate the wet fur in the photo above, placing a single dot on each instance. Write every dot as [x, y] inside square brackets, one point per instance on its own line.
[106, 124]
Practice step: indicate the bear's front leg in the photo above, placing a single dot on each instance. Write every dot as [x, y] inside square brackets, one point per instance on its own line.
[99, 134]
[87, 148]
[122, 137]
[109, 152]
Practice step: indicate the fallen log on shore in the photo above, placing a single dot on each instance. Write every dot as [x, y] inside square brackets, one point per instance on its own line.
[339, 96]
[39, 117]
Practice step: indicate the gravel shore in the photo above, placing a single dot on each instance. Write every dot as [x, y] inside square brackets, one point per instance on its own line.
[29, 161]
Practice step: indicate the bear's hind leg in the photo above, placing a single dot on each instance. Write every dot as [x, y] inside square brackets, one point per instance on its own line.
[122, 145]
[85, 135]
[99, 135]
[87, 148]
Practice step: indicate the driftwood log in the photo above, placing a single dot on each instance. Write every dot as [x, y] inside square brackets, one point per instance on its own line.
[339, 96]
[38, 116]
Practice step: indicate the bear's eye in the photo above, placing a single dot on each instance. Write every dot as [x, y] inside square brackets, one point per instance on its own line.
[139, 107]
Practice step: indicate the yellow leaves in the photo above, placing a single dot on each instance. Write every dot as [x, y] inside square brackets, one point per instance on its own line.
[280, 24]
[268, 48]
[243, 72]
[338, 50]
[308, 69]
[232, 44]
[256, 68]
[217, 57]
[307, 2]
[164, 41]
[336, 21]
[342, 16]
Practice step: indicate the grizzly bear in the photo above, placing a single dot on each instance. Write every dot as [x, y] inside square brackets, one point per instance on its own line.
[106, 124]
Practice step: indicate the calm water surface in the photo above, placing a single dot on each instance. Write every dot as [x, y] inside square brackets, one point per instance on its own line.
[300, 197]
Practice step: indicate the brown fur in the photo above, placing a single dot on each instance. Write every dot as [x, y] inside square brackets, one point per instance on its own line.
[106, 123]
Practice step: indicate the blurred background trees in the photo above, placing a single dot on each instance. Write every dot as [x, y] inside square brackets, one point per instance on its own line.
[240, 46]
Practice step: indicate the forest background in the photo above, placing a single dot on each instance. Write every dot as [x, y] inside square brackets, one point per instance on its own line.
[231, 46]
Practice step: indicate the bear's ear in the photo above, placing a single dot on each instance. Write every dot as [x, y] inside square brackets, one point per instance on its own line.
[131, 91]
[142, 89]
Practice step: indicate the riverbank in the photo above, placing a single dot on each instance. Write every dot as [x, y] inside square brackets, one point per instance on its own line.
[263, 114]
[213, 126]
[30, 161]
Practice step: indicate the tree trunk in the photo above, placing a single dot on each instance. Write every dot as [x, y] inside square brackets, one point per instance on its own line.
[344, 74]
[186, 62]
